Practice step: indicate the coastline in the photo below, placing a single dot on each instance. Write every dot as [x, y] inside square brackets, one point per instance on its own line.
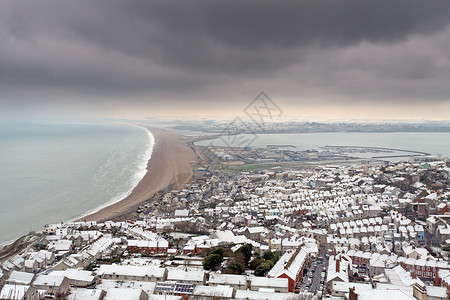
[142, 169]
[170, 163]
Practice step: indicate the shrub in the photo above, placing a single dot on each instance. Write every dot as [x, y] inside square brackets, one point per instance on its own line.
[212, 261]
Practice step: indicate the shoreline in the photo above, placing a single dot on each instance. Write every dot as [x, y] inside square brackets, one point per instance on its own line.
[170, 163]
[122, 196]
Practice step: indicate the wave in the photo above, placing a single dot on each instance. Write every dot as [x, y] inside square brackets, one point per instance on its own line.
[139, 174]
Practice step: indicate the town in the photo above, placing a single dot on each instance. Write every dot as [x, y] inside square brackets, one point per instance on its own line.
[365, 231]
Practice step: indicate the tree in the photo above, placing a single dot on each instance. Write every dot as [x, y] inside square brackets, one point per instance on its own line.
[246, 250]
[218, 251]
[212, 261]
[276, 256]
[255, 263]
[234, 269]
[260, 271]
[268, 255]
[263, 268]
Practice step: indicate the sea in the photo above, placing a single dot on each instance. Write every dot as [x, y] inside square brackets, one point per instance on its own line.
[51, 173]
[435, 143]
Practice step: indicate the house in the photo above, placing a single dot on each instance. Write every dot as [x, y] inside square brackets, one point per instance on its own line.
[238, 282]
[192, 277]
[190, 248]
[20, 278]
[436, 292]
[377, 266]
[378, 294]
[18, 292]
[263, 295]
[443, 280]
[413, 252]
[181, 213]
[436, 220]
[78, 278]
[291, 266]
[338, 269]
[174, 289]
[279, 285]
[219, 292]
[67, 263]
[254, 233]
[443, 233]
[62, 248]
[136, 273]
[86, 294]
[228, 237]
[124, 293]
[107, 285]
[339, 288]
[44, 258]
[31, 266]
[52, 283]
[152, 246]
[420, 233]
[15, 263]
[400, 277]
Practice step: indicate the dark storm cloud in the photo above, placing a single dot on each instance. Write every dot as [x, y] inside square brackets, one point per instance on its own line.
[144, 47]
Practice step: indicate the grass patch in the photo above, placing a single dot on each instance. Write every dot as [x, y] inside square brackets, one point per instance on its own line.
[234, 169]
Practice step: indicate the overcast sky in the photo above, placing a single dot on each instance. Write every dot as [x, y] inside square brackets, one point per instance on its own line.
[318, 59]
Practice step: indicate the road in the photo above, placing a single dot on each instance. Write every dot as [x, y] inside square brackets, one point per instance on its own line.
[431, 240]
[315, 285]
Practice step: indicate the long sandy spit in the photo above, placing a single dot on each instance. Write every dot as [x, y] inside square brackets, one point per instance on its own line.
[171, 163]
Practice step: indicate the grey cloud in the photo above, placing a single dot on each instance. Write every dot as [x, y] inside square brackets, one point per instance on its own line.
[139, 47]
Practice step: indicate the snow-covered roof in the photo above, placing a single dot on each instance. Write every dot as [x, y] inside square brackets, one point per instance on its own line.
[140, 271]
[384, 294]
[230, 279]
[123, 293]
[247, 294]
[219, 291]
[180, 275]
[20, 277]
[269, 282]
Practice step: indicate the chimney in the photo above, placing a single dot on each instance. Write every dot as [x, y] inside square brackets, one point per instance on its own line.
[337, 265]
[353, 295]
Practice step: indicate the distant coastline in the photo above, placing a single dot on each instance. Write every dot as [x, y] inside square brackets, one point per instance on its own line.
[433, 143]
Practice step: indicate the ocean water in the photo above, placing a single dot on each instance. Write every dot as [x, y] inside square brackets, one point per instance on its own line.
[57, 172]
[430, 142]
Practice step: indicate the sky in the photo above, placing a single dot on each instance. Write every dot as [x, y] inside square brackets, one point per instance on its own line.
[317, 59]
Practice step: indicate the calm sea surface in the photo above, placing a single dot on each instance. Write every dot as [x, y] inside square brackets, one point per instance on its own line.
[433, 143]
[53, 172]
